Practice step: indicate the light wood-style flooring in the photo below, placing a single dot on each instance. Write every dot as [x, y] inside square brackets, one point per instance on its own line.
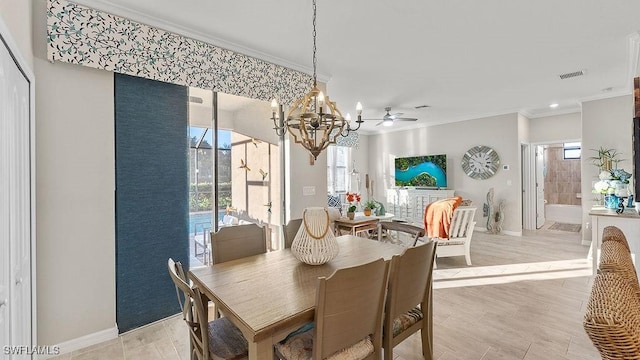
[523, 298]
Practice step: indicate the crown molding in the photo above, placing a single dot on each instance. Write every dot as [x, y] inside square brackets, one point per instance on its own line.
[138, 16]
[607, 95]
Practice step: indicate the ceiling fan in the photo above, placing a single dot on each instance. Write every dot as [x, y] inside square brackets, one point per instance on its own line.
[388, 119]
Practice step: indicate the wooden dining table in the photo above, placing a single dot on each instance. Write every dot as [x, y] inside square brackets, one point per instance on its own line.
[267, 296]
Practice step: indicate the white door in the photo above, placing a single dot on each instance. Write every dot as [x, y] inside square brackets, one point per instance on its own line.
[539, 186]
[15, 208]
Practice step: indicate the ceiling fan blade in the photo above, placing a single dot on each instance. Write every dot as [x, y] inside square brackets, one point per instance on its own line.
[380, 123]
[406, 119]
[396, 115]
[378, 119]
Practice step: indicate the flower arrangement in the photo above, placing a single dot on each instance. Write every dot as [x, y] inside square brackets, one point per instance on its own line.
[353, 199]
[612, 182]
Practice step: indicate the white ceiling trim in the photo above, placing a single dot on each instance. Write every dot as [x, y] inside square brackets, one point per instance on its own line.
[108, 6]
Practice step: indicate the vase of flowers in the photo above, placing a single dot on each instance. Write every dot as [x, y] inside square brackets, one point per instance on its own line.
[612, 186]
[353, 199]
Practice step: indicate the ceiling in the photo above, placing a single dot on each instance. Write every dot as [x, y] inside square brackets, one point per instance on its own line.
[465, 59]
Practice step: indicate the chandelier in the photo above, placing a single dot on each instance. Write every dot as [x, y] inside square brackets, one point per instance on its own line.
[314, 121]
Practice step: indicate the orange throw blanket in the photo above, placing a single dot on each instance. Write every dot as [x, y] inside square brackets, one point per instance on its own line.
[438, 215]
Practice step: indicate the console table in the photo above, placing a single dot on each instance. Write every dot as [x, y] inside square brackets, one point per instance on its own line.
[409, 204]
[628, 222]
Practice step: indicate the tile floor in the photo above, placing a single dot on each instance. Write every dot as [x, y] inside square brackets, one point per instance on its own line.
[523, 298]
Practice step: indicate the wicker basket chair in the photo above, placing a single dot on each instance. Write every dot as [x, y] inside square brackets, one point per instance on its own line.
[612, 319]
[614, 257]
[613, 233]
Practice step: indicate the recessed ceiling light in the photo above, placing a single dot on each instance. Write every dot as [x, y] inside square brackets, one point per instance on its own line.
[554, 105]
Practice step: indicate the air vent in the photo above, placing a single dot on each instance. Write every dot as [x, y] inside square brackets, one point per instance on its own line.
[572, 74]
[195, 99]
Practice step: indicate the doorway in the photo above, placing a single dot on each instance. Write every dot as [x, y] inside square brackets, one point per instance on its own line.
[555, 185]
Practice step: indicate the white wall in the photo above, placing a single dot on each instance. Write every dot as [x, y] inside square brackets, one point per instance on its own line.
[16, 14]
[556, 129]
[605, 123]
[75, 186]
[75, 211]
[454, 139]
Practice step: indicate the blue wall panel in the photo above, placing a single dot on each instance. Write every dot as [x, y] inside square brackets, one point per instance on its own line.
[152, 198]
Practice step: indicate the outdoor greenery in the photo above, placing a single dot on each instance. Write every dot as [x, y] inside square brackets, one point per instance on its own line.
[204, 199]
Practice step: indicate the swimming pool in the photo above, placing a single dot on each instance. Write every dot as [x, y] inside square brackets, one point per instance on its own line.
[198, 220]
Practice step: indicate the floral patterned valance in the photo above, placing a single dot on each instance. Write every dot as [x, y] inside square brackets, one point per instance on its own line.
[85, 36]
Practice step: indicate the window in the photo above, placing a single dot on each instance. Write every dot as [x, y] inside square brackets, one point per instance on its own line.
[338, 180]
[571, 150]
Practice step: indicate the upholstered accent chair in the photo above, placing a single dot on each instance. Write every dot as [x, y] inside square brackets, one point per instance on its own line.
[409, 299]
[218, 339]
[348, 317]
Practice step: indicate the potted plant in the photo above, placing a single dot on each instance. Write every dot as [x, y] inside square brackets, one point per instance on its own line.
[369, 206]
[353, 199]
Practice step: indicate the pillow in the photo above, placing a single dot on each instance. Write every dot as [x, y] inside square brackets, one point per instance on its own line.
[333, 201]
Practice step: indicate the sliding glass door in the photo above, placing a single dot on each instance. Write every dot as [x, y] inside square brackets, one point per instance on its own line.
[239, 182]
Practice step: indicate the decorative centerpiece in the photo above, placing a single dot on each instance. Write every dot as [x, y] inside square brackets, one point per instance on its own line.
[369, 206]
[315, 243]
[613, 184]
[353, 199]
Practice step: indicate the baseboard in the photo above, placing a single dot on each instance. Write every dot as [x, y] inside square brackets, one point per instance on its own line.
[504, 232]
[84, 341]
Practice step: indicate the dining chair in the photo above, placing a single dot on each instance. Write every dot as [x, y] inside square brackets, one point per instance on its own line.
[409, 299]
[208, 340]
[348, 316]
[235, 242]
[290, 231]
[613, 233]
[400, 227]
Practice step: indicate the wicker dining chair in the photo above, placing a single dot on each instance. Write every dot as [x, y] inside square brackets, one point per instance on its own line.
[218, 339]
[614, 257]
[613, 233]
[612, 319]
[348, 316]
[408, 307]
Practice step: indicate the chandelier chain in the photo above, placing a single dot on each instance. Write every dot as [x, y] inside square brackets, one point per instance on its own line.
[315, 61]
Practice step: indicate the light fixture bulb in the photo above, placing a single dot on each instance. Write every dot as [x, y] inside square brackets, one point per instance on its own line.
[387, 122]
[320, 99]
[274, 105]
[348, 117]
[359, 108]
[554, 105]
